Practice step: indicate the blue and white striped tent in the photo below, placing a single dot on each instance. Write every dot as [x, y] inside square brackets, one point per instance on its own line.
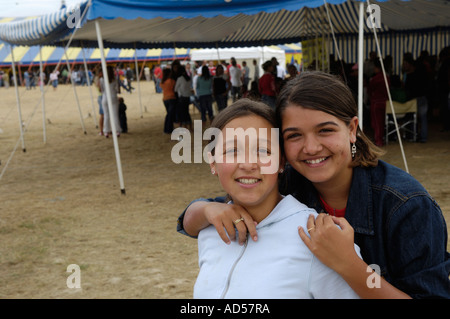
[406, 26]
[51, 55]
[200, 23]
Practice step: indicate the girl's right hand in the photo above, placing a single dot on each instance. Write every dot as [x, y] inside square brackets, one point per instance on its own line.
[225, 217]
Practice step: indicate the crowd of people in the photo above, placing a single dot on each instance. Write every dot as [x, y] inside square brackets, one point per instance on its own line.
[425, 79]
[204, 83]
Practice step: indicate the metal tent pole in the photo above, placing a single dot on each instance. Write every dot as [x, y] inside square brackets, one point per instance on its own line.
[19, 110]
[360, 64]
[75, 92]
[41, 84]
[137, 76]
[94, 111]
[109, 99]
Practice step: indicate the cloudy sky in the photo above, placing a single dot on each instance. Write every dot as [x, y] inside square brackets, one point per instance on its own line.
[26, 8]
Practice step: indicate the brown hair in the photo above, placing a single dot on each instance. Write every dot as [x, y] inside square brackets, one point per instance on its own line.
[244, 107]
[327, 93]
[240, 108]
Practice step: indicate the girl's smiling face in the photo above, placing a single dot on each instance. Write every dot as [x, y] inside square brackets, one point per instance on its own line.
[239, 175]
[317, 145]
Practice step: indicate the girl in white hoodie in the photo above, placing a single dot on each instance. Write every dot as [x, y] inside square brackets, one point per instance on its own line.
[278, 264]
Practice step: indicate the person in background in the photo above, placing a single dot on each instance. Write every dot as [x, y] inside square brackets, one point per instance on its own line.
[157, 76]
[220, 89]
[114, 114]
[266, 85]
[235, 76]
[183, 87]
[417, 86]
[169, 100]
[378, 95]
[54, 79]
[98, 82]
[204, 92]
[256, 73]
[245, 74]
[123, 115]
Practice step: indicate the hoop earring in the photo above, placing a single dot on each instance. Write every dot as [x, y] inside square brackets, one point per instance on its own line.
[353, 150]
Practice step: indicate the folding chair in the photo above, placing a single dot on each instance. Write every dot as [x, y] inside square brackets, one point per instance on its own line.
[406, 115]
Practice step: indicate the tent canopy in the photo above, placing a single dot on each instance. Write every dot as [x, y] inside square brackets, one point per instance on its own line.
[217, 23]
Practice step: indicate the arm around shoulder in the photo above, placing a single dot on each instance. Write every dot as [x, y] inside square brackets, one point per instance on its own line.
[192, 220]
[202, 213]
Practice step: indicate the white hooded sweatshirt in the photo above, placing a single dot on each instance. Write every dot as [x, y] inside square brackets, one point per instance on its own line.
[277, 265]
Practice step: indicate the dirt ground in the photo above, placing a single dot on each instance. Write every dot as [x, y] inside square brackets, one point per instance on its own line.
[60, 202]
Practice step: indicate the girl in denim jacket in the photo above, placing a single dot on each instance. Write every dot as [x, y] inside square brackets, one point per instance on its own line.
[334, 168]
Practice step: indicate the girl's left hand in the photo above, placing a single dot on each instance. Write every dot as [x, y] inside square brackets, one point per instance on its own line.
[333, 246]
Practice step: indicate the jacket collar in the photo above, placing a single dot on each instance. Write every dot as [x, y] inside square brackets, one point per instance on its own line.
[286, 207]
[359, 211]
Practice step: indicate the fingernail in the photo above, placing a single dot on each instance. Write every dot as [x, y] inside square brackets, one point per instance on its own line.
[255, 238]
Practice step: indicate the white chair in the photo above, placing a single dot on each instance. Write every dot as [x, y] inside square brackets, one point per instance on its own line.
[404, 122]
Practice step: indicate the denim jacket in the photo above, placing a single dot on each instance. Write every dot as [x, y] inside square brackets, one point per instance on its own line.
[397, 225]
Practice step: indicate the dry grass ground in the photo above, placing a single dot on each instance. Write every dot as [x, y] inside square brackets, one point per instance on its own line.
[60, 202]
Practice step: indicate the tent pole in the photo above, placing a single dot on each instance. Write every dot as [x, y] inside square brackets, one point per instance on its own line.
[137, 77]
[316, 51]
[75, 92]
[41, 84]
[109, 99]
[90, 88]
[327, 52]
[323, 51]
[19, 110]
[334, 40]
[218, 53]
[262, 46]
[389, 95]
[360, 64]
